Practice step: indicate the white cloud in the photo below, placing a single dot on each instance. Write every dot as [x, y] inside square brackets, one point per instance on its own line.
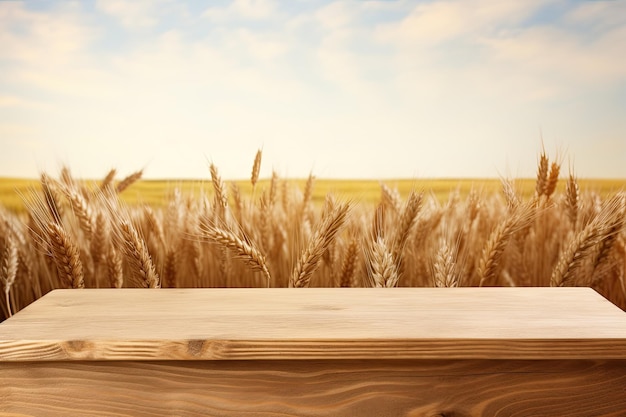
[134, 14]
[32, 38]
[243, 9]
[435, 22]
[499, 53]
[337, 14]
[254, 9]
[599, 15]
[259, 46]
[559, 60]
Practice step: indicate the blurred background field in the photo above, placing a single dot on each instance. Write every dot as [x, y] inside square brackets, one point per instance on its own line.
[156, 193]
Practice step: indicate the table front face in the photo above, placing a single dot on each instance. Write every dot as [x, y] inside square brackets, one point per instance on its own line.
[328, 323]
[314, 388]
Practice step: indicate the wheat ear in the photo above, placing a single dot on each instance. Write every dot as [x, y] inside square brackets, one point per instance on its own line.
[348, 267]
[390, 197]
[238, 203]
[382, 269]
[137, 254]
[553, 179]
[66, 177]
[273, 189]
[379, 220]
[325, 234]
[221, 198]
[603, 249]
[244, 248]
[169, 268]
[510, 195]
[499, 238]
[115, 268]
[82, 211]
[572, 199]
[444, 267]
[154, 224]
[542, 174]
[609, 221]
[107, 182]
[66, 256]
[51, 195]
[8, 269]
[128, 181]
[307, 196]
[100, 237]
[407, 221]
[256, 168]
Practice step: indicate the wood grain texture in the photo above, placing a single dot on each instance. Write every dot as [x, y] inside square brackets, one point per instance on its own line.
[315, 388]
[351, 323]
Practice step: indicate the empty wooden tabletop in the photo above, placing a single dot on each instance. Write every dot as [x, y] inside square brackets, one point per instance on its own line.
[316, 323]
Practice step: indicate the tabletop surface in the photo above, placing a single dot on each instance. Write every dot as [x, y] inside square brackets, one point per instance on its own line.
[315, 323]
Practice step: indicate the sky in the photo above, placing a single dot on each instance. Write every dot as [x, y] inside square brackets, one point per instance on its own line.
[343, 89]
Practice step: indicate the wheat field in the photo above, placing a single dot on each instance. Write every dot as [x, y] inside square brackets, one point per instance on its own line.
[275, 233]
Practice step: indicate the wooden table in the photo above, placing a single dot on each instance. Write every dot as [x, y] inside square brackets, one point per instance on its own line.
[315, 352]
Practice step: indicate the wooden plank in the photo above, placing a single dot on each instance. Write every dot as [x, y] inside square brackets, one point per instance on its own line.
[315, 388]
[409, 323]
